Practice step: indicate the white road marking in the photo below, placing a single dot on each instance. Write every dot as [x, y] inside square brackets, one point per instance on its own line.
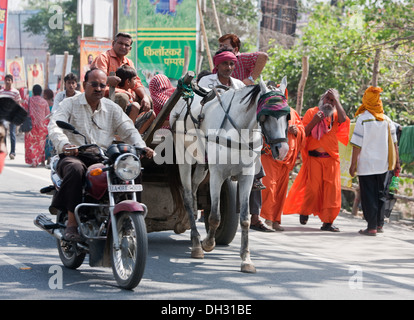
[14, 262]
[19, 171]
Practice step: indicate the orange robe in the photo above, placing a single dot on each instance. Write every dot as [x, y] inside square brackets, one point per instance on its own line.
[317, 188]
[277, 172]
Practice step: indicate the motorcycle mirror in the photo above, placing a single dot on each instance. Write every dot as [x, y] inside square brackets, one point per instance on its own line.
[68, 126]
[65, 125]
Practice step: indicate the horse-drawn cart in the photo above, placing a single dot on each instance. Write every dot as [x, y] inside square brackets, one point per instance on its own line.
[162, 189]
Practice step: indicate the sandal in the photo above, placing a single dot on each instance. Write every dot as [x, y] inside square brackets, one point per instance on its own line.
[260, 227]
[329, 227]
[258, 185]
[277, 227]
[71, 234]
[368, 232]
[303, 219]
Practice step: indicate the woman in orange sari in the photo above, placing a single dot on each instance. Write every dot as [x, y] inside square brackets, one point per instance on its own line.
[317, 188]
[35, 140]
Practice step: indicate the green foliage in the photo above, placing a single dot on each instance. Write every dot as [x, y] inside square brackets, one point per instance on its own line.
[242, 10]
[62, 39]
[340, 42]
[184, 17]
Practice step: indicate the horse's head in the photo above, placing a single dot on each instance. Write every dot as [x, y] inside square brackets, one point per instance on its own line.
[273, 114]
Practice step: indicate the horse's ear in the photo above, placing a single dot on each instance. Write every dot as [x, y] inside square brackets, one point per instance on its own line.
[263, 88]
[283, 85]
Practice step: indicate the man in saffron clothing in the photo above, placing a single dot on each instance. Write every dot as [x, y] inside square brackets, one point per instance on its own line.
[277, 172]
[317, 188]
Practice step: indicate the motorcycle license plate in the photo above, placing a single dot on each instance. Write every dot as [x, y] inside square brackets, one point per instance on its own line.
[125, 188]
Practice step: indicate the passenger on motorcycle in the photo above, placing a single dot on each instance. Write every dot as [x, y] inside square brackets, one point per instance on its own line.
[99, 119]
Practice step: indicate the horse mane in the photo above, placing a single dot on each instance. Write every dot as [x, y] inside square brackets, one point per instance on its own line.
[253, 93]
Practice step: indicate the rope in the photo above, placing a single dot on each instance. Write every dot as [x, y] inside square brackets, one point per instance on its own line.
[187, 90]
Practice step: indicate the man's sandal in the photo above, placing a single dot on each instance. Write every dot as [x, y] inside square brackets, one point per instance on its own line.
[329, 227]
[368, 232]
[260, 227]
[71, 234]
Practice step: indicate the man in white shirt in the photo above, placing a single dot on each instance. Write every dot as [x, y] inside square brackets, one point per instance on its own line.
[98, 119]
[71, 82]
[374, 153]
[224, 62]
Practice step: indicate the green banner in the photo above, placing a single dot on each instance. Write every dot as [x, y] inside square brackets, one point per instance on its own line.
[161, 30]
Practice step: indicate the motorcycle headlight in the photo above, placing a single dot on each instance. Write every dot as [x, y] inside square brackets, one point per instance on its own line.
[127, 166]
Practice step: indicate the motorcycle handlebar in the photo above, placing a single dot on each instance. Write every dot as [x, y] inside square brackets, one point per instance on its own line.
[141, 151]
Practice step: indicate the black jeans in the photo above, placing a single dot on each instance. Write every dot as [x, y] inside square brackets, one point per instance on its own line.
[372, 189]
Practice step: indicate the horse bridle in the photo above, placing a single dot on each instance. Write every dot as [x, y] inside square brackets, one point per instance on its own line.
[262, 119]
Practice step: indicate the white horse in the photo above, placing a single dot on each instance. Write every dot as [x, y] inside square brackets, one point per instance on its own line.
[225, 132]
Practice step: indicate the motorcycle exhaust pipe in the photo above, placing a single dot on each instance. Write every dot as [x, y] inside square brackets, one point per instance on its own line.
[46, 224]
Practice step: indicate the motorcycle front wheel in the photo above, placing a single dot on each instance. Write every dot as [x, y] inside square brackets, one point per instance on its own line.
[128, 263]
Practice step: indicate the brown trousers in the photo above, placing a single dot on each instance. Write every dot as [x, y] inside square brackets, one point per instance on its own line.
[72, 171]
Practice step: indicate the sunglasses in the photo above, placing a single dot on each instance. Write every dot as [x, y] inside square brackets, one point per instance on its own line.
[95, 84]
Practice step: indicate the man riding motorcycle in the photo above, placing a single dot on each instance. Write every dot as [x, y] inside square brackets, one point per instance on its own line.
[99, 119]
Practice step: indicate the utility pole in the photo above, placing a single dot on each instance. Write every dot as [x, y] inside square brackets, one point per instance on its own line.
[259, 22]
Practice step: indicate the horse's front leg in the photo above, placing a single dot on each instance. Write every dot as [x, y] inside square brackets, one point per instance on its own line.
[185, 174]
[245, 185]
[209, 243]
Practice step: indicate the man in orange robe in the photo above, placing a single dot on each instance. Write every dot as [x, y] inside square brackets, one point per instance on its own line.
[317, 188]
[276, 179]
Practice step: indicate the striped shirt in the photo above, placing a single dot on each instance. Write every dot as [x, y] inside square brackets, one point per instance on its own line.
[12, 93]
[99, 127]
[245, 65]
[371, 136]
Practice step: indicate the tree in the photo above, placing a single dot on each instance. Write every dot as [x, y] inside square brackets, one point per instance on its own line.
[235, 16]
[340, 41]
[58, 22]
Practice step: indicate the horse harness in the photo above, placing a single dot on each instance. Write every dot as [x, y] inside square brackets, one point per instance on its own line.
[208, 96]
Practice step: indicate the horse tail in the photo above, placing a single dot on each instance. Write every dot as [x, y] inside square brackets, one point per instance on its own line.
[253, 94]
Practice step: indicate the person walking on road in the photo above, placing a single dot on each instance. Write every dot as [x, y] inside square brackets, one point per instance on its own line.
[14, 94]
[374, 152]
[71, 82]
[317, 188]
[276, 179]
[35, 139]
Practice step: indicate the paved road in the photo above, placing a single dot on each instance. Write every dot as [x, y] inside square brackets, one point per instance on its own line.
[299, 263]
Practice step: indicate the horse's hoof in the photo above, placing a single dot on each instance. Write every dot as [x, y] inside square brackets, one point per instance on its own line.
[197, 253]
[248, 268]
[207, 247]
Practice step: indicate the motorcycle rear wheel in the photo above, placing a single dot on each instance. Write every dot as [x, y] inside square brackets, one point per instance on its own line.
[70, 258]
[128, 263]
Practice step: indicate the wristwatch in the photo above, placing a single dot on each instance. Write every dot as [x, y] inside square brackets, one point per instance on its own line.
[251, 78]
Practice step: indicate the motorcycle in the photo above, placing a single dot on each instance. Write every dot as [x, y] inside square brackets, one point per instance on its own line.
[110, 219]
